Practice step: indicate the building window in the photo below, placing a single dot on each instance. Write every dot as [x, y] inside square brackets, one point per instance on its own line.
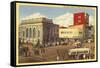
[30, 32]
[38, 33]
[23, 33]
[26, 32]
[34, 32]
[80, 32]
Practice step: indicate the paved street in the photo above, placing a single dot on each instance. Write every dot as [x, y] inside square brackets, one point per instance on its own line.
[55, 53]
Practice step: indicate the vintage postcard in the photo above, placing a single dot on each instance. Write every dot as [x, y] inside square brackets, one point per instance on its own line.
[46, 33]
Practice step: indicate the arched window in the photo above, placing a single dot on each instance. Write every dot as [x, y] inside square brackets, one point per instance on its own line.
[23, 34]
[38, 33]
[26, 32]
[30, 32]
[34, 32]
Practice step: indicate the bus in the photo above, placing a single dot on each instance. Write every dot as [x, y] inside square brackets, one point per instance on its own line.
[79, 53]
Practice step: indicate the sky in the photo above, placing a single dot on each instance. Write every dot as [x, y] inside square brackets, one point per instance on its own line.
[53, 12]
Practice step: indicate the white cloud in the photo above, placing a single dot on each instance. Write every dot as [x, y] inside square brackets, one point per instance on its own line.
[67, 19]
[64, 20]
[33, 16]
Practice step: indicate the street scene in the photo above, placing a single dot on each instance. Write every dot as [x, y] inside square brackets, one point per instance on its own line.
[56, 37]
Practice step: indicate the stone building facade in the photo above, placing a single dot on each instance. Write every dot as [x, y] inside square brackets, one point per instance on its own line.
[38, 31]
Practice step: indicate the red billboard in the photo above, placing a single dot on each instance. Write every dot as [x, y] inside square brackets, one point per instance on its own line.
[81, 18]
